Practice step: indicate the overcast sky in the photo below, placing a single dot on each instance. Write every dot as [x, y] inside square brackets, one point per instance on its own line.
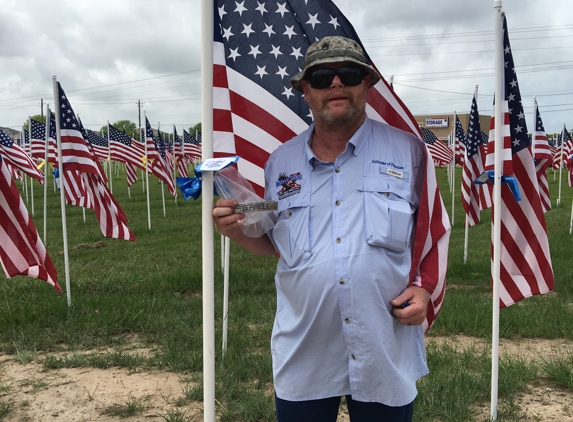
[109, 54]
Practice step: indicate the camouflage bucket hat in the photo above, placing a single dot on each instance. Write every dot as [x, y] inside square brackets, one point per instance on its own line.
[334, 50]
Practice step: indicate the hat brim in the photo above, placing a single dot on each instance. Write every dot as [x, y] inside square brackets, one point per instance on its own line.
[296, 80]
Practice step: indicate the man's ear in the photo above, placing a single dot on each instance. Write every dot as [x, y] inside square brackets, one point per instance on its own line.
[305, 88]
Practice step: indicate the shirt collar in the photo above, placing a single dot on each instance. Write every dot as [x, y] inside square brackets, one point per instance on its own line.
[357, 141]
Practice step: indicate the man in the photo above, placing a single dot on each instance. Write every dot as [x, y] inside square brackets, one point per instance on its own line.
[348, 323]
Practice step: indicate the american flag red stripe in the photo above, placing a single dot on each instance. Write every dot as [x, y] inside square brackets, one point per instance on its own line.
[21, 249]
[524, 248]
[131, 174]
[252, 119]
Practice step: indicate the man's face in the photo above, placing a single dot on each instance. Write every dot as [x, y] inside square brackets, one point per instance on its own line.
[337, 105]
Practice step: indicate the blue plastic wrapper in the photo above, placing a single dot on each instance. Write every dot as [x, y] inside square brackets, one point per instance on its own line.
[190, 187]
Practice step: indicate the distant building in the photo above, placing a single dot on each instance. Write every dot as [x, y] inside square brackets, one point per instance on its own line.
[14, 134]
[442, 124]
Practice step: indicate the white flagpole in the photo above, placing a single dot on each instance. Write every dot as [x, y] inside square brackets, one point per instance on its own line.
[207, 31]
[561, 162]
[144, 137]
[454, 172]
[46, 171]
[226, 294]
[571, 222]
[62, 190]
[496, 270]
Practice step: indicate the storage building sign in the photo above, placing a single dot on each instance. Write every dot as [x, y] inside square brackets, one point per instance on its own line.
[436, 122]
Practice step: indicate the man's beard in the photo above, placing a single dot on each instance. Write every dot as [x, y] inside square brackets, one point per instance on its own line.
[338, 120]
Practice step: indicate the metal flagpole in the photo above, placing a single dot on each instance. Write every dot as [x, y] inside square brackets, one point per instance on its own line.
[62, 189]
[207, 31]
[109, 161]
[499, 121]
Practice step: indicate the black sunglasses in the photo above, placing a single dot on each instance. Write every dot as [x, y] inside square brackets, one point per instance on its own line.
[349, 76]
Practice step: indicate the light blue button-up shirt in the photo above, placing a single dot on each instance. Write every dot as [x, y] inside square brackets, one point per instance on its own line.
[344, 231]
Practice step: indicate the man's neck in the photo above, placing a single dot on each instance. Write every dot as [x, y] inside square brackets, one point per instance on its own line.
[327, 144]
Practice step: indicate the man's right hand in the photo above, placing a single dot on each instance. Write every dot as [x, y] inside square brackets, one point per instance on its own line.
[225, 218]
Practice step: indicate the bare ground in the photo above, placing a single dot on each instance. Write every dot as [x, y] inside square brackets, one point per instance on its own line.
[37, 394]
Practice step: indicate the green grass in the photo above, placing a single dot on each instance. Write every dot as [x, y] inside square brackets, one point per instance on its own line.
[150, 292]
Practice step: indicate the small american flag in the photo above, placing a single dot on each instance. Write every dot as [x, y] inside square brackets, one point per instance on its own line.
[125, 149]
[525, 260]
[473, 167]
[179, 155]
[543, 159]
[441, 153]
[460, 142]
[21, 249]
[38, 139]
[257, 48]
[191, 146]
[15, 155]
[99, 145]
[158, 166]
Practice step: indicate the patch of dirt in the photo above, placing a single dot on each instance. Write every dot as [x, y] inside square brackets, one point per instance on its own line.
[38, 394]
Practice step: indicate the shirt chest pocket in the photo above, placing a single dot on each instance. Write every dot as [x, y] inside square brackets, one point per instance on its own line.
[291, 233]
[388, 213]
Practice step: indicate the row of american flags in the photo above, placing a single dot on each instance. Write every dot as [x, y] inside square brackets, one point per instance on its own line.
[258, 46]
[80, 172]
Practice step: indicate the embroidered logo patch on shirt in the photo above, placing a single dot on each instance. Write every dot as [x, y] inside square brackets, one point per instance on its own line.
[289, 185]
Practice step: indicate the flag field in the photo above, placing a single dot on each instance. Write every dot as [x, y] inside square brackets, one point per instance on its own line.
[150, 290]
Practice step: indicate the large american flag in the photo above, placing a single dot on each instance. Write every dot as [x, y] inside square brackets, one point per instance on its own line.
[441, 153]
[473, 195]
[258, 46]
[543, 159]
[15, 155]
[459, 142]
[525, 260]
[125, 149]
[21, 249]
[81, 171]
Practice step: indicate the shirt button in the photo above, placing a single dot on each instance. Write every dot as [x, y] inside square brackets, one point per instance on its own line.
[341, 281]
[338, 240]
[353, 357]
[386, 194]
[347, 321]
[337, 203]
[337, 170]
[289, 213]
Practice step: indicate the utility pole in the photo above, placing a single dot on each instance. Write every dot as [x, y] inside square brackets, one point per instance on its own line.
[42, 109]
[139, 104]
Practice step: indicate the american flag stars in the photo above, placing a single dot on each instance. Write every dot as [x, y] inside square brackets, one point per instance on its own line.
[263, 49]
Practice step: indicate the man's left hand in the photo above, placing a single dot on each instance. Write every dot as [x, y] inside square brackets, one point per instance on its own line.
[411, 305]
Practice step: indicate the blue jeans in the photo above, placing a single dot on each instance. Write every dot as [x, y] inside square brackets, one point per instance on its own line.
[326, 410]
